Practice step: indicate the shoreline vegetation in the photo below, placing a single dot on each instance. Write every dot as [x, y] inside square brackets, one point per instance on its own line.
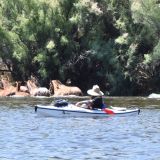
[112, 43]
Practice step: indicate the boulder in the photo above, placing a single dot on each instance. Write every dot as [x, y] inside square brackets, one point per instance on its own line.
[154, 95]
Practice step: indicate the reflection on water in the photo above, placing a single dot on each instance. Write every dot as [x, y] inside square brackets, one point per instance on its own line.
[114, 101]
[25, 136]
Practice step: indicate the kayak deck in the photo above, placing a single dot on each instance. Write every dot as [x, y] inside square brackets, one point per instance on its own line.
[72, 110]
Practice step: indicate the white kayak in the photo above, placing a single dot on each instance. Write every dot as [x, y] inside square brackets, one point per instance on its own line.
[71, 110]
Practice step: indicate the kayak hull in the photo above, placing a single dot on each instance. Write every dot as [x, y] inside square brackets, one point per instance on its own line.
[74, 111]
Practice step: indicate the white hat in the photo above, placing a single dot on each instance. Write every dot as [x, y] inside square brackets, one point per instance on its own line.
[95, 91]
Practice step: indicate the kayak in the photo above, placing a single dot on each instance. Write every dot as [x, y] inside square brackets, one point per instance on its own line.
[71, 110]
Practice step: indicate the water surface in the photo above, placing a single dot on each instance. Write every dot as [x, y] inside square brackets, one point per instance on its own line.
[25, 136]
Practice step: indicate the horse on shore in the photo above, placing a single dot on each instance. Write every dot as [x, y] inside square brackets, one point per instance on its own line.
[59, 89]
[34, 90]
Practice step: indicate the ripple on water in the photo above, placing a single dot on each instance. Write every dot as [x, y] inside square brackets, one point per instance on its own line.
[25, 136]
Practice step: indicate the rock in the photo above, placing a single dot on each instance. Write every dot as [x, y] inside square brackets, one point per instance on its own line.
[154, 95]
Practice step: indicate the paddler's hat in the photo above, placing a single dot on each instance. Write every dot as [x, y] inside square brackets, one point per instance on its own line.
[95, 91]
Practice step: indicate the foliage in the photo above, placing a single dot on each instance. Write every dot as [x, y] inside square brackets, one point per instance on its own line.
[112, 43]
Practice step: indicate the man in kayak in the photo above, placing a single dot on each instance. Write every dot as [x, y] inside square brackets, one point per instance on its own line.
[95, 102]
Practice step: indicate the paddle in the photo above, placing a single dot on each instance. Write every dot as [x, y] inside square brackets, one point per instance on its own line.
[108, 111]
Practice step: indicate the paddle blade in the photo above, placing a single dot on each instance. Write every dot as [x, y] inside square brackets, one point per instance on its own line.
[108, 111]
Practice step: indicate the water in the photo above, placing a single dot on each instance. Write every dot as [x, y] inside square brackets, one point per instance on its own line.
[24, 136]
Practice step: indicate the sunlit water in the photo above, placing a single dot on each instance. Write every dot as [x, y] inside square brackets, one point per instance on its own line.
[24, 136]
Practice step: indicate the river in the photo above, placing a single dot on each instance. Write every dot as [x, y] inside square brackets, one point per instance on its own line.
[24, 136]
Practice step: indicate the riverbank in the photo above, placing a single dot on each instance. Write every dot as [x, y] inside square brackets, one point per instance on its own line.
[141, 102]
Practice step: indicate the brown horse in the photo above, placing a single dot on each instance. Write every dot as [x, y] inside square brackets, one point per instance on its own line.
[59, 89]
[11, 89]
